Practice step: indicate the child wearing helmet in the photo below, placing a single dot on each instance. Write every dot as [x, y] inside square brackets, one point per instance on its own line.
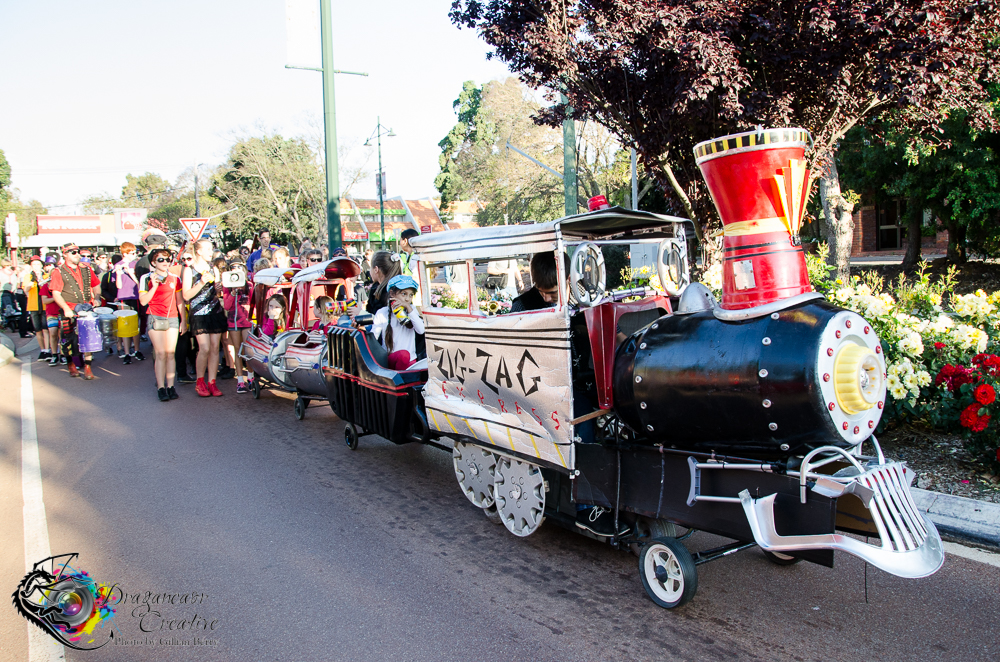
[399, 323]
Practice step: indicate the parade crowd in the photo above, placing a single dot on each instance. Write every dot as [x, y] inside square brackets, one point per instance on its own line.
[195, 324]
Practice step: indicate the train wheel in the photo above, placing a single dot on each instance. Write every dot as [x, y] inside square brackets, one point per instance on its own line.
[475, 468]
[668, 572]
[255, 388]
[519, 491]
[777, 558]
[647, 528]
[300, 407]
[492, 515]
[351, 437]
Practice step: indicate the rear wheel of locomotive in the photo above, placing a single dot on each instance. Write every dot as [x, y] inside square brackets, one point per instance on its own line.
[668, 572]
[777, 558]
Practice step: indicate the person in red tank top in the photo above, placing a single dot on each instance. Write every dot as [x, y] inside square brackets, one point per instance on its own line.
[160, 292]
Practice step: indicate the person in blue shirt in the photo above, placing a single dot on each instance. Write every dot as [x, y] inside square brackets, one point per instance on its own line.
[264, 241]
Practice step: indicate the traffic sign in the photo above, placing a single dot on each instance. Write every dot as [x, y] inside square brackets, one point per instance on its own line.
[424, 229]
[195, 227]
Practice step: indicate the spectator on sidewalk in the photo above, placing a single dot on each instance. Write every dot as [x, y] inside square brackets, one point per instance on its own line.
[31, 284]
[160, 291]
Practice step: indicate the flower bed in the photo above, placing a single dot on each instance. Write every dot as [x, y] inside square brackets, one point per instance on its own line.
[940, 349]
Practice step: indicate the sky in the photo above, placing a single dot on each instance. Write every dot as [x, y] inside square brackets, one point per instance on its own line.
[90, 91]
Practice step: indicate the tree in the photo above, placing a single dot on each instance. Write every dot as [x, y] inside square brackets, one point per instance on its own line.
[664, 75]
[476, 162]
[276, 184]
[10, 201]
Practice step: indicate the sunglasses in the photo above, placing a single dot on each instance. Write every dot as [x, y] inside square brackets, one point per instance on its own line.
[162, 259]
[72, 252]
[315, 259]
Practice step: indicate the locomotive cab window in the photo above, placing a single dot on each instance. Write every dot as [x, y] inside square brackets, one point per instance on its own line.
[448, 289]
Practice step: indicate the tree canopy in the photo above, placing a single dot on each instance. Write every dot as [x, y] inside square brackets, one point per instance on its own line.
[663, 75]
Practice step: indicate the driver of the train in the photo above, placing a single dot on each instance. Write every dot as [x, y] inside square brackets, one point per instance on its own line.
[544, 292]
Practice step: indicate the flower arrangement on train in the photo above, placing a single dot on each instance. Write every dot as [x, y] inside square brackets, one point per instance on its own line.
[940, 348]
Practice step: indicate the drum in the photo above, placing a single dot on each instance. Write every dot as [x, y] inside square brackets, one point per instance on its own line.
[128, 323]
[109, 327]
[759, 183]
[88, 333]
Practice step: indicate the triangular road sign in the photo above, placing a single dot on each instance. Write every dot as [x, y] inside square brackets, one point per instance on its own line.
[195, 227]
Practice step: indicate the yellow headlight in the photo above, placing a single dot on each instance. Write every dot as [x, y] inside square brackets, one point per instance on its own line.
[857, 378]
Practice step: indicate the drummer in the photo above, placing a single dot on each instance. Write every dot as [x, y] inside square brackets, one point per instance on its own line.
[72, 284]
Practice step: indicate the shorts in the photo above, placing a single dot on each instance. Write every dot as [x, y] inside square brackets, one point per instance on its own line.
[37, 319]
[239, 328]
[215, 322]
[156, 320]
[52, 321]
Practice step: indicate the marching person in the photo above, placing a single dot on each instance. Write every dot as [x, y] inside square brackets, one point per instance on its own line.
[128, 298]
[32, 284]
[202, 284]
[72, 284]
[160, 292]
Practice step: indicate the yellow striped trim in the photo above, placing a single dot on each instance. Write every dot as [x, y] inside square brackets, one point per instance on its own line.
[449, 422]
[561, 458]
[757, 226]
[532, 437]
[510, 440]
[750, 139]
[470, 428]
[434, 418]
[488, 435]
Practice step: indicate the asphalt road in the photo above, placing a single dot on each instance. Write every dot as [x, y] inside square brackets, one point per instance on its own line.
[305, 550]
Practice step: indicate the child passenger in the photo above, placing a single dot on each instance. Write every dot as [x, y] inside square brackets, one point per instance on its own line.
[399, 323]
[323, 309]
[277, 313]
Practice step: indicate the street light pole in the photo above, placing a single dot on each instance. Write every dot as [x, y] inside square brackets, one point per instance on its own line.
[334, 236]
[381, 185]
[197, 208]
[380, 181]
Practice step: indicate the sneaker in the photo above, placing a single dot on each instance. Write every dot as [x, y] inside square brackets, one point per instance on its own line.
[73, 371]
[88, 374]
[161, 393]
[143, 338]
[201, 388]
[63, 360]
[185, 378]
[110, 351]
[43, 355]
[214, 389]
[54, 360]
[600, 522]
[242, 387]
[127, 359]
[172, 393]
[122, 354]
[138, 356]
[227, 373]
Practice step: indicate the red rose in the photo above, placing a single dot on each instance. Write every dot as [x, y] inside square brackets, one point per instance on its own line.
[939, 345]
[969, 416]
[985, 394]
[981, 423]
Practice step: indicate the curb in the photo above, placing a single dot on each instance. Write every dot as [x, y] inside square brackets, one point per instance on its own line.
[7, 350]
[965, 520]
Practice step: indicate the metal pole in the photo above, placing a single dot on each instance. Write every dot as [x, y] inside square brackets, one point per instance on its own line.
[635, 181]
[381, 181]
[569, 161]
[197, 209]
[334, 237]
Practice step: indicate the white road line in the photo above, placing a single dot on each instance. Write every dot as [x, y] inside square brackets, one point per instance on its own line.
[982, 556]
[41, 646]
